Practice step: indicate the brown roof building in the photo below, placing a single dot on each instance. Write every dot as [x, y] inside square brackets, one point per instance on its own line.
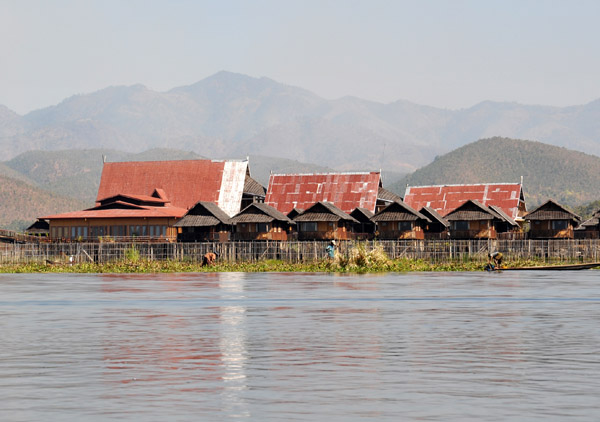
[260, 221]
[473, 220]
[551, 220]
[400, 221]
[204, 222]
[324, 220]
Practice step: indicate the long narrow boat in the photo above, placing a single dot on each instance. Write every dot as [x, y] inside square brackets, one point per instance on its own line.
[568, 267]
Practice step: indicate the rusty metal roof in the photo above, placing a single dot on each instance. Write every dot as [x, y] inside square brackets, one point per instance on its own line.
[183, 182]
[446, 198]
[346, 191]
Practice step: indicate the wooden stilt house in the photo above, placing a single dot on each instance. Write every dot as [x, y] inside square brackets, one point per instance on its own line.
[400, 221]
[552, 221]
[204, 222]
[259, 221]
[324, 221]
[473, 220]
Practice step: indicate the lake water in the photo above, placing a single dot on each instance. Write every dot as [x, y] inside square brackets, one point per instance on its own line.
[300, 347]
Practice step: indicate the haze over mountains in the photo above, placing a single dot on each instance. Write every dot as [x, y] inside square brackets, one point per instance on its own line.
[231, 116]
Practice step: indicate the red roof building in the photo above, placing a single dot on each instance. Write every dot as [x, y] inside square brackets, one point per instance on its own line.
[182, 182]
[446, 198]
[146, 198]
[346, 191]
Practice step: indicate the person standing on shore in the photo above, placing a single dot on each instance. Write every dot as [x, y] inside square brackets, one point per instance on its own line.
[331, 250]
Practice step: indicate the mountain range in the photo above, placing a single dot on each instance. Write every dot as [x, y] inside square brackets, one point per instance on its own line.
[230, 115]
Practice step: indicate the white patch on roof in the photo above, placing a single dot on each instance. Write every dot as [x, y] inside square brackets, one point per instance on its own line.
[232, 186]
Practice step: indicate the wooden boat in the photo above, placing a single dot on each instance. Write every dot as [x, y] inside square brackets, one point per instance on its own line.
[567, 267]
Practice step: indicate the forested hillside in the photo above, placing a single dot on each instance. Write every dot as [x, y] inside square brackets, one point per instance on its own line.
[570, 177]
[21, 203]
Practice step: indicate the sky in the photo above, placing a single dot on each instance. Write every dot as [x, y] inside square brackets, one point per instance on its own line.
[450, 54]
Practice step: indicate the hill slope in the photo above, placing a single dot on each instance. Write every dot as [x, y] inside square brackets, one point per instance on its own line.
[570, 177]
[21, 204]
[232, 115]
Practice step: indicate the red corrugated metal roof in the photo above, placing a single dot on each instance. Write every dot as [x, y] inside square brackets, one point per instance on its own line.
[446, 198]
[346, 191]
[173, 212]
[183, 182]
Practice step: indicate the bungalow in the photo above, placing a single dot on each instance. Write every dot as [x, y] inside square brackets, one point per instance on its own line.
[552, 221]
[260, 221]
[324, 221]
[399, 221]
[473, 220]
[204, 222]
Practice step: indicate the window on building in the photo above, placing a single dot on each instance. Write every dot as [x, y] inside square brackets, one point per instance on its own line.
[460, 225]
[404, 226]
[560, 224]
[308, 227]
[262, 227]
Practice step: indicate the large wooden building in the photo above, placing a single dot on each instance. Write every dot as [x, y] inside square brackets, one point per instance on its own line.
[119, 216]
[146, 198]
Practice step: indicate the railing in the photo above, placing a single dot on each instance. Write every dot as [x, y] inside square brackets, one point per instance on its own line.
[406, 234]
[12, 237]
[329, 235]
[551, 234]
[473, 234]
[240, 236]
[584, 234]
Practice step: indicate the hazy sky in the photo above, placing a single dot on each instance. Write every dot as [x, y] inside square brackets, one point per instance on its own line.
[450, 53]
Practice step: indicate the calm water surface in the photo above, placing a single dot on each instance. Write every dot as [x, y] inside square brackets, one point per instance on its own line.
[300, 347]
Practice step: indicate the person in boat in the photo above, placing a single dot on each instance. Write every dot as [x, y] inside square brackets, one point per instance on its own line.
[331, 249]
[209, 258]
[495, 259]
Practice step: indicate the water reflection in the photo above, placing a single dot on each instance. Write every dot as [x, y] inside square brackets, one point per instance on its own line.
[299, 347]
[233, 345]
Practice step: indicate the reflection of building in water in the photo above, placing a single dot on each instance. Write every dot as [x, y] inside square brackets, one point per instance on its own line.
[192, 347]
[233, 345]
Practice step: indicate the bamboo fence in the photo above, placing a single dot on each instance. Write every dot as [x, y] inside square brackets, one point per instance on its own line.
[437, 251]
